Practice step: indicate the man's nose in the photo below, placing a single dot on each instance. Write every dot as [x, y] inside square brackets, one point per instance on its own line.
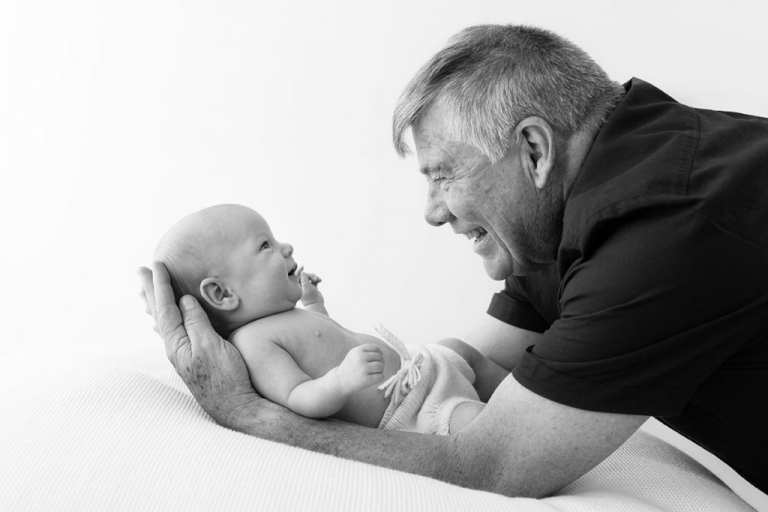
[436, 212]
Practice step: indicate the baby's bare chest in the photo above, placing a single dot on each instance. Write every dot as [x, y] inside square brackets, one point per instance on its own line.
[320, 346]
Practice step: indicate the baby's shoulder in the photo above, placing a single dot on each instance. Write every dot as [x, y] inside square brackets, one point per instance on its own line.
[263, 329]
[273, 329]
[257, 342]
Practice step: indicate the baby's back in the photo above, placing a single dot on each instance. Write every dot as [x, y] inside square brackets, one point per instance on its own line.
[317, 343]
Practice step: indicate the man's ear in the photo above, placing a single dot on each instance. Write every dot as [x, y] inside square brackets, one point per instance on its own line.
[216, 293]
[537, 149]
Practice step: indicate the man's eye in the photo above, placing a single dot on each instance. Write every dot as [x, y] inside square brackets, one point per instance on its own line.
[441, 180]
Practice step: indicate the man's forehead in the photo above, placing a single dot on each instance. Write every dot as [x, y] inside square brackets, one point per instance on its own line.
[431, 127]
[439, 154]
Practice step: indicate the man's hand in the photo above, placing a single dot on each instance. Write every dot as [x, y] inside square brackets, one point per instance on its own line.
[521, 444]
[210, 366]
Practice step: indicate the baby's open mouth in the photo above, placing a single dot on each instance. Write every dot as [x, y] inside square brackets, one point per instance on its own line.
[293, 270]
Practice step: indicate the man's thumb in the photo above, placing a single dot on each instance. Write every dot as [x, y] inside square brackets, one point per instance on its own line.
[192, 314]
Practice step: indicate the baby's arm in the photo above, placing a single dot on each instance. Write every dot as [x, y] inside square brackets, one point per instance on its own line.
[277, 377]
[311, 297]
[488, 375]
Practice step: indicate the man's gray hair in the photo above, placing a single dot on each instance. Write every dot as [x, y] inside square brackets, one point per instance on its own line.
[490, 77]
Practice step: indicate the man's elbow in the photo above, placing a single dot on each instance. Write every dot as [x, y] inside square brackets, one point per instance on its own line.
[489, 467]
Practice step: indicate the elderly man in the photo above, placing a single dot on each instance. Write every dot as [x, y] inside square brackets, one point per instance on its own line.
[632, 232]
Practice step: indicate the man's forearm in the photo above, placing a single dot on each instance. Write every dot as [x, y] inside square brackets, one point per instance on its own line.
[520, 445]
[421, 454]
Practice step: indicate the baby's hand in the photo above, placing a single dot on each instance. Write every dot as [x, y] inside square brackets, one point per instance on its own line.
[362, 367]
[310, 294]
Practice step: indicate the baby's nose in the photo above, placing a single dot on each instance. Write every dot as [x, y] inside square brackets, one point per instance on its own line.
[287, 250]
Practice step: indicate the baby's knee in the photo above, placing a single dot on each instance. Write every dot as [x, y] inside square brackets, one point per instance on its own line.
[464, 414]
[463, 349]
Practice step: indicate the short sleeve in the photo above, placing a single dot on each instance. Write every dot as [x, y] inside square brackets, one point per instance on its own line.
[650, 307]
[511, 306]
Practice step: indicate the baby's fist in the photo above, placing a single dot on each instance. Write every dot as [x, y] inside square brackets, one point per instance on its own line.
[362, 367]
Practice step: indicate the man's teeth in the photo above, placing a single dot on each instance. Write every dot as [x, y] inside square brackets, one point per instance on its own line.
[476, 234]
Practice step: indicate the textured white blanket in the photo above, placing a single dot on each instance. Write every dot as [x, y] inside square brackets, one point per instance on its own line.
[114, 428]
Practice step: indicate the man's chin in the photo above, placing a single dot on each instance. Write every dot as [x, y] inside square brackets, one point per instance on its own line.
[496, 270]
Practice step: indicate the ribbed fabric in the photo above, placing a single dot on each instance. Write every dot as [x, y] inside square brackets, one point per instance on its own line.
[114, 428]
[445, 383]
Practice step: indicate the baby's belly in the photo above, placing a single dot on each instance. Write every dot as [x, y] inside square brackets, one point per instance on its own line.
[366, 407]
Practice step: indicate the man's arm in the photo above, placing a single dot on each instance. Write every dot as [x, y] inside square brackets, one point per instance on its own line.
[500, 342]
[520, 445]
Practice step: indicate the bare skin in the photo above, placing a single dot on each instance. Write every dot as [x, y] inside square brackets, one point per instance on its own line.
[309, 363]
[298, 358]
[520, 445]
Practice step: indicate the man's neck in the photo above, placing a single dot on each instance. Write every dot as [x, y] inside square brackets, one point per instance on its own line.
[576, 150]
[578, 145]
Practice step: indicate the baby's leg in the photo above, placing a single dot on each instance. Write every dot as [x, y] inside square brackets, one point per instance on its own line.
[488, 375]
[463, 414]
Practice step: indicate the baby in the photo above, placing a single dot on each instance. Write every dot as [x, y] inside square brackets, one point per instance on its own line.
[249, 284]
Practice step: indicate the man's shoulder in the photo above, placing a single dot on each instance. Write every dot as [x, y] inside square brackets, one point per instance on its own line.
[655, 154]
[643, 150]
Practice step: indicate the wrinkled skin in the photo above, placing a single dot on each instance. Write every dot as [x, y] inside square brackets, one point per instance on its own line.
[210, 366]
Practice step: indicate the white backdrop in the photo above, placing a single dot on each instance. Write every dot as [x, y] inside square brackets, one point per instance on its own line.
[117, 118]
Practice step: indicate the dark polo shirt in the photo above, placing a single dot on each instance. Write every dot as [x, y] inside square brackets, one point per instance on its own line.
[658, 302]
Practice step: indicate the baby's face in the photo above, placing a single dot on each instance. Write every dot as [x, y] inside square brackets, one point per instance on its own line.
[262, 270]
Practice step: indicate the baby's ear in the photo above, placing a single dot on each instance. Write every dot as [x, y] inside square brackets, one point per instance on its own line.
[216, 293]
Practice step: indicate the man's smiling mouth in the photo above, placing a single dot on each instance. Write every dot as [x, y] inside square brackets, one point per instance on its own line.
[476, 234]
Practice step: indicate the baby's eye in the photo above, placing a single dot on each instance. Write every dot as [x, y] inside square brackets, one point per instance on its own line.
[265, 245]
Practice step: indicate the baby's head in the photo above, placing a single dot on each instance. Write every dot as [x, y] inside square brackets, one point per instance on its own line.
[228, 259]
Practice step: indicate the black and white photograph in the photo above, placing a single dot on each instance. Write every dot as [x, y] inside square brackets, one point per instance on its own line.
[412, 255]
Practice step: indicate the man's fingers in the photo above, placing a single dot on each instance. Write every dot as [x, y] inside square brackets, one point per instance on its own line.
[147, 289]
[196, 323]
[162, 285]
[167, 314]
[147, 309]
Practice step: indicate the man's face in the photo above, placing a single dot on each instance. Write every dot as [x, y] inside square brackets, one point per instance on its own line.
[494, 205]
